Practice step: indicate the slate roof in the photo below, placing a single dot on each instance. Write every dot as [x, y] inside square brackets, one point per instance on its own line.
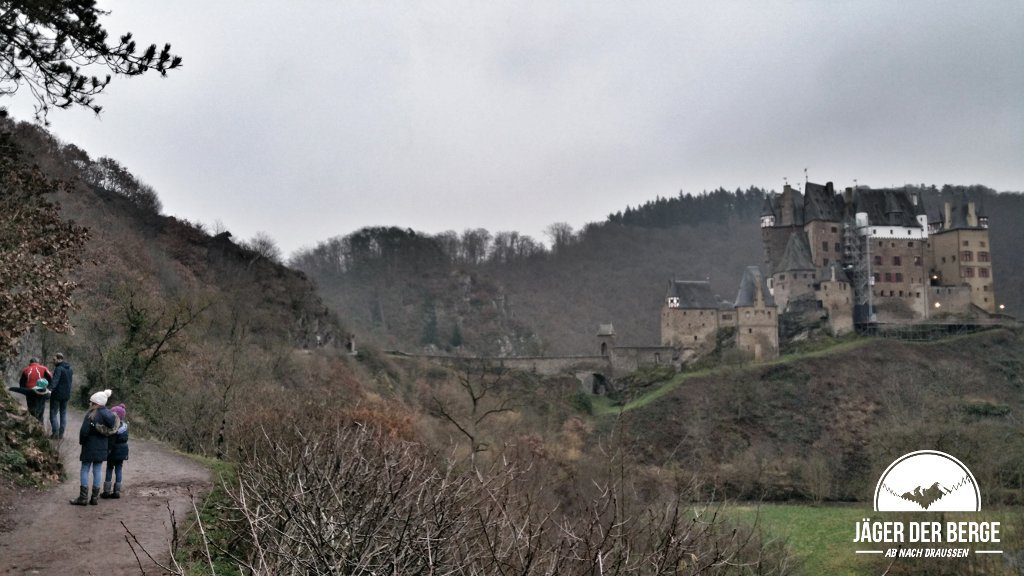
[797, 255]
[753, 281]
[770, 206]
[693, 294]
[886, 207]
[822, 203]
[958, 212]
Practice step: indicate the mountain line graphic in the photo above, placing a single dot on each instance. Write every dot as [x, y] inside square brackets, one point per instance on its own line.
[928, 496]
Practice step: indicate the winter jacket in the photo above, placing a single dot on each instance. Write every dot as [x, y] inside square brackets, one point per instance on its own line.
[34, 372]
[95, 444]
[119, 444]
[60, 384]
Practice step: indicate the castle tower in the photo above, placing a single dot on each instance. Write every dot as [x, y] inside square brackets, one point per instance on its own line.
[961, 254]
[606, 339]
[757, 319]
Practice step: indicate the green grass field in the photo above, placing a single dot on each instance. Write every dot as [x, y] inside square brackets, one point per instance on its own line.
[822, 536]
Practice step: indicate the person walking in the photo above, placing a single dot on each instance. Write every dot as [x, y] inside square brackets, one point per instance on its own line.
[97, 426]
[35, 403]
[35, 398]
[117, 454]
[60, 393]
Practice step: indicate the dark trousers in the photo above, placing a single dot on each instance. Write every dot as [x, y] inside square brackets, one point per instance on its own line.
[58, 416]
[35, 405]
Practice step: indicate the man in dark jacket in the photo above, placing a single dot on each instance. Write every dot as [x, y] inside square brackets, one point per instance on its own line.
[60, 393]
[33, 372]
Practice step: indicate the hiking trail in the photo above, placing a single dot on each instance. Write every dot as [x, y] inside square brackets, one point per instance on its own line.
[42, 534]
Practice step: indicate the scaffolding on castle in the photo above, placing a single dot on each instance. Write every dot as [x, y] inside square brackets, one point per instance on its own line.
[857, 263]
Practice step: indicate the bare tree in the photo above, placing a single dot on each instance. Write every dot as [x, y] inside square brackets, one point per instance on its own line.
[485, 397]
[263, 245]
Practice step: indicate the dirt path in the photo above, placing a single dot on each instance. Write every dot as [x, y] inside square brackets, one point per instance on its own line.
[44, 534]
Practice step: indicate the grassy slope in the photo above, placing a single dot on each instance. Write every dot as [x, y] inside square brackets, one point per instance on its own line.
[753, 430]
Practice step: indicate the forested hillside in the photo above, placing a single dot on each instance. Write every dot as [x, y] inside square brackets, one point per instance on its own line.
[451, 290]
[182, 325]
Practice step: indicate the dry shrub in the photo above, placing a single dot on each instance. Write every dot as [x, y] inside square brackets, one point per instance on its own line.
[355, 500]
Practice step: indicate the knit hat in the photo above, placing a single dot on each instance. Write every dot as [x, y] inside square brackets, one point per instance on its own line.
[100, 397]
[120, 411]
[41, 384]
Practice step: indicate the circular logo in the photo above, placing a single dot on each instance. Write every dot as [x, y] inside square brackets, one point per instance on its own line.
[927, 481]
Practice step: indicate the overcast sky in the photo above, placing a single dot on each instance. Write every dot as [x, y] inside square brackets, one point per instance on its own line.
[312, 119]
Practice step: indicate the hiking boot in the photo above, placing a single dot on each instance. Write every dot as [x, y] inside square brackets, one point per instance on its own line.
[83, 496]
[106, 491]
[95, 493]
[117, 490]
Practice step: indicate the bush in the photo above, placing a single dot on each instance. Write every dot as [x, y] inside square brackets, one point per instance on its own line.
[352, 500]
[583, 402]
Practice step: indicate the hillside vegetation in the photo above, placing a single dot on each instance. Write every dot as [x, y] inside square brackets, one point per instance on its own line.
[823, 426]
[484, 293]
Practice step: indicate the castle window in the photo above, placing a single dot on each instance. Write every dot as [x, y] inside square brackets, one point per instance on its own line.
[901, 293]
[750, 330]
[982, 243]
[834, 229]
[888, 276]
[769, 313]
[985, 287]
[899, 277]
[878, 260]
[984, 257]
[839, 247]
[917, 260]
[824, 246]
[967, 242]
[910, 244]
[877, 277]
[897, 261]
[890, 232]
[726, 316]
[893, 245]
[967, 272]
[918, 294]
[782, 277]
[966, 256]
[826, 262]
[983, 272]
[694, 337]
[943, 259]
[879, 243]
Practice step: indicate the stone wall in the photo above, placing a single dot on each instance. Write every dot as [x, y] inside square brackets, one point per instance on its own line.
[836, 299]
[686, 328]
[757, 331]
[900, 271]
[627, 359]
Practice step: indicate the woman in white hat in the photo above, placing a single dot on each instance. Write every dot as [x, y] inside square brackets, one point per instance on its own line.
[94, 438]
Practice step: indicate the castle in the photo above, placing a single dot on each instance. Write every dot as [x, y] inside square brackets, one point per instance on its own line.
[863, 257]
